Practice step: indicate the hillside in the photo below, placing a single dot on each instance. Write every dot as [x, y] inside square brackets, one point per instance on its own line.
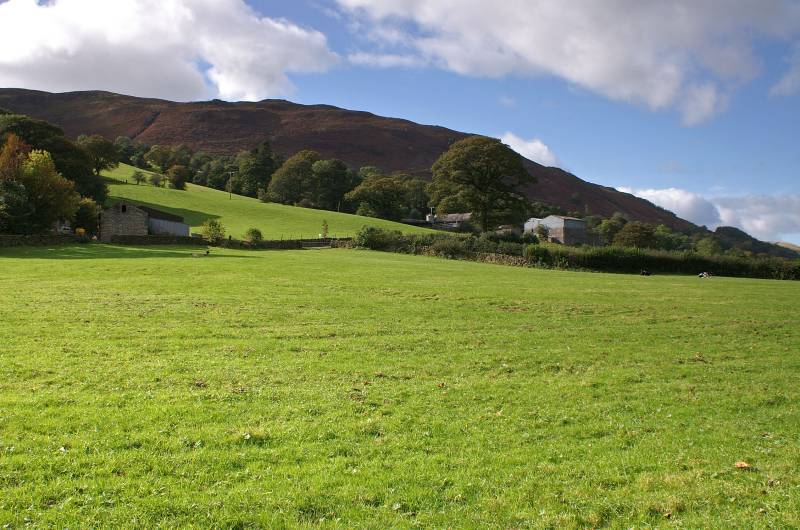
[358, 138]
[237, 213]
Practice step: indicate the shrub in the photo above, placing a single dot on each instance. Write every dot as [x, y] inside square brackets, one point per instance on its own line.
[537, 255]
[253, 235]
[86, 215]
[213, 231]
[449, 247]
[156, 179]
[509, 248]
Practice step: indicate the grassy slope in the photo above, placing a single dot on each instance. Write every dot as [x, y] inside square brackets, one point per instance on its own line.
[237, 214]
[382, 390]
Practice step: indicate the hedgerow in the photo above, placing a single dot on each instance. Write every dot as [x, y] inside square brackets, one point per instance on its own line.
[604, 259]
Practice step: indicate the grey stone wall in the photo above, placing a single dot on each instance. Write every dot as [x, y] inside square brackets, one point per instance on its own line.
[122, 219]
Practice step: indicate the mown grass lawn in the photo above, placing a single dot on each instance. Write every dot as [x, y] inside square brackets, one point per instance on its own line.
[197, 204]
[141, 387]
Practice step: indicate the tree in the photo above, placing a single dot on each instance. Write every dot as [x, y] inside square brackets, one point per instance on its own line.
[126, 149]
[156, 179]
[389, 197]
[103, 154]
[159, 156]
[331, 180]
[70, 160]
[178, 175]
[483, 176]
[608, 228]
[86, 216]
[50, 195]
[635, 234]
[213, 231]
[666, 239]
[15, 210]
[253, 235]
[292, 180]
[255, 170]
[138, 177]
[708, 246]
[542, 232]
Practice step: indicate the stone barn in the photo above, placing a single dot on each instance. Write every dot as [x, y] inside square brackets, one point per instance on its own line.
[125, 219]
[560, 229]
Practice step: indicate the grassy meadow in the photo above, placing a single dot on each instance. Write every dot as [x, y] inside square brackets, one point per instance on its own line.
[142, 387]
[196, 204]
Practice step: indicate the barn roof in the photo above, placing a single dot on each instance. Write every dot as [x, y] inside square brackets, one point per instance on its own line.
[158, 214]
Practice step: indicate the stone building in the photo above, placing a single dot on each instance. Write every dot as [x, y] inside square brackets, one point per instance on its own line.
[560, 229]
[125, 219]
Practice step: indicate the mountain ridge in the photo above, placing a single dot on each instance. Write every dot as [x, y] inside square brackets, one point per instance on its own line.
[359, 138]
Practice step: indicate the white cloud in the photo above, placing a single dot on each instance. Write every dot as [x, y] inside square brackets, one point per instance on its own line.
[682, 54]
[533, 149]
[384, 60]
[690, 206]
[789, 84]
[766, 217]
[177, 49]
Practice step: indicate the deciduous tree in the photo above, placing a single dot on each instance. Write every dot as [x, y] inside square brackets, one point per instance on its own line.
[483, 176]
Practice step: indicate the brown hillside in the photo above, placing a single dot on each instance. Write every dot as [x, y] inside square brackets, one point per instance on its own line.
[358, 138]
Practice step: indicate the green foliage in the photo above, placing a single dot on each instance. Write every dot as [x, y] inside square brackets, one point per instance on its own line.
[253, 235]
[72, 162]
[178, 176]
[607, 259]
[609, 228]
[15, 209]
[635, 234]
[138, 177]
[325, 229]
[156, 179]
[213, 231]
[291, 182]
[254, 170]
[708, 246]
[159, 157]
[51, 197]
[86, 216]
[388, 197]
[483, 176]
[103, 154]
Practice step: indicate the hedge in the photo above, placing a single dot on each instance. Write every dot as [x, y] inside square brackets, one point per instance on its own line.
[602, 259]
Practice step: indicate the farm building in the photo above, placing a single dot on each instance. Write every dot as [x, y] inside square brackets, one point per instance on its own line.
[125, 219]
[560, 229]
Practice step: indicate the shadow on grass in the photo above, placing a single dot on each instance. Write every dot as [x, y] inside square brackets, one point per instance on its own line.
[103, 251]
[190, 217]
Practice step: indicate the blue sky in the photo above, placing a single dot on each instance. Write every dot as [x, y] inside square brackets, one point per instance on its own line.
[691, 104]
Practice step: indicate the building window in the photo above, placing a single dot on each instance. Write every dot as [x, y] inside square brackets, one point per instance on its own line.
[124, 208]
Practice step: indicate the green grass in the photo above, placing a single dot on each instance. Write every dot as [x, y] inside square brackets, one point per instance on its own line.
[142, 387]
[237, 213]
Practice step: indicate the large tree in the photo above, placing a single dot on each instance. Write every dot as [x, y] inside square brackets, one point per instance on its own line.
[103, 153]
[635, 234]
[483, 176]
[70, 160]
[291, 182]
[388, 196]
[331, 180]
[49, 196]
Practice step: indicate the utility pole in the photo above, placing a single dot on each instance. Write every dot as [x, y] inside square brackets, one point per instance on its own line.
[230, 175]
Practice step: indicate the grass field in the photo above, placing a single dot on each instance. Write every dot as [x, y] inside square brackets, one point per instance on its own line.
[238, 213]
[141, 387]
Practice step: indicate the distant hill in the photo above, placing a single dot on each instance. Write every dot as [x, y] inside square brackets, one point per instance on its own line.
[732, 237]
[358, 138]
[790, 246]
[237, 213]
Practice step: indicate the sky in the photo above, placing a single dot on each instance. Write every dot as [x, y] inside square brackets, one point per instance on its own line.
[691, 104]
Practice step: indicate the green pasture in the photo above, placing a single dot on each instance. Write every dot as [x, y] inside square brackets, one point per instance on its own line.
[146, 388]
[196, 204]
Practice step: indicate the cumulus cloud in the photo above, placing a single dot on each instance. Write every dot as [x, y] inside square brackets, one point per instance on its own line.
[690, 206]
[177, 49]
[384, 60]
[533, 149]
[682, 54]
[766, 217]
